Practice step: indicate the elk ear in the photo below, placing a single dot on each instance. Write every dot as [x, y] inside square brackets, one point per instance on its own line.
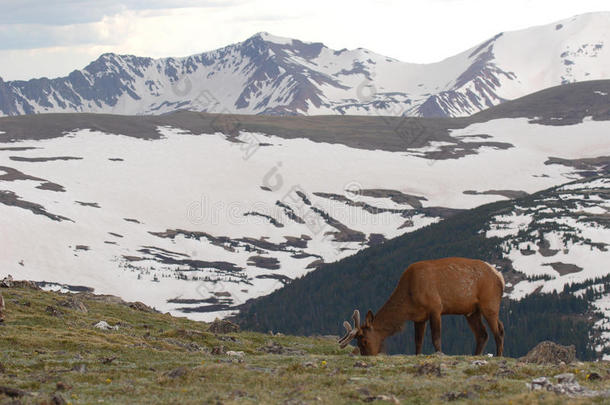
[369, 318]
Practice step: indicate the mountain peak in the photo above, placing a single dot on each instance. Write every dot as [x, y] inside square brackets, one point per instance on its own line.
[267, 37]
[268, 73]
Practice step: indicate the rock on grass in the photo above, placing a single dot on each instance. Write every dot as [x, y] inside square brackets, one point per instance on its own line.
[223, 326]
[53, 311]
[12, 392]
[57, 399]
[75, 304]
[275, 348]
[457, 395]
[550, 353]
[140, 306]
[177, 373]
[428, 369]
[387, 398]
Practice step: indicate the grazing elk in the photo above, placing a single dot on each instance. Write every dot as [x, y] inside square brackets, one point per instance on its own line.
[427, 290]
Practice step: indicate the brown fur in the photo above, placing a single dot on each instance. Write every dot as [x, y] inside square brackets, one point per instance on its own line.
[429, 289]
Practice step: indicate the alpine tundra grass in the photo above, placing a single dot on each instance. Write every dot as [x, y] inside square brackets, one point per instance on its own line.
[50, 350]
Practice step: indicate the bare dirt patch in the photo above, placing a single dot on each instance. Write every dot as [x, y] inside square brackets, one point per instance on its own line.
[42, 159]
[564, 268]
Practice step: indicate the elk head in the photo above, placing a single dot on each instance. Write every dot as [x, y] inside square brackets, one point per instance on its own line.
[369, 340]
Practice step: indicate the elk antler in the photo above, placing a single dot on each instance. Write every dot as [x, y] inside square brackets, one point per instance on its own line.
[351, 332]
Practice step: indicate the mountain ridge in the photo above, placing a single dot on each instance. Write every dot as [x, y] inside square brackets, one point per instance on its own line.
[272, 75]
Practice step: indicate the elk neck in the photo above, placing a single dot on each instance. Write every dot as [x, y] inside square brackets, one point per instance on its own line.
[391, 318]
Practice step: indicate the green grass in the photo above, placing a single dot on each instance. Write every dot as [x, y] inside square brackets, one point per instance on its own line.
[39, 350]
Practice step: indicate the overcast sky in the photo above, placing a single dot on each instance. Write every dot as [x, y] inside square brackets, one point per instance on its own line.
[53, 37]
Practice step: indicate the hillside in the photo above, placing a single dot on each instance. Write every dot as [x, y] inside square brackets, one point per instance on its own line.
[563, 105]
[551, 241]
[50, 352]
[196, 213]
[271, 75]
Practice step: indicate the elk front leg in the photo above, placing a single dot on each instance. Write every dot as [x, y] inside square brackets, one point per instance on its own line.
[435, 327]
[420, 331]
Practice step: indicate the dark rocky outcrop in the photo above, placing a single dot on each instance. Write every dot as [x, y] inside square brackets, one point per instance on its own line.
[550, 353]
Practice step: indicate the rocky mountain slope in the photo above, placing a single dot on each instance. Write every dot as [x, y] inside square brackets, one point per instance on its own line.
[551, 242]
[280, 76]
[197, 213]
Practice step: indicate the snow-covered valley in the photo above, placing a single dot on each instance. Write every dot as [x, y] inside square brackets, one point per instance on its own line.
[196, 224]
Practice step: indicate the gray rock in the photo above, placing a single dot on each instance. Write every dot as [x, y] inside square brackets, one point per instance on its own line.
[178, 372]
[7, 282]
[140, 306]
[233, 353]
[103, 325]
[566, 378]
[13, 392]
[80, 368]
[53, 311]
[75, 304]
[550, 353]
[223, 326]
[428, 369]
[218, 350]
[57, 399]
[457, 395]
[188, 346]
[566, 385]
[382, 397]
[275, 348]
[540, 383]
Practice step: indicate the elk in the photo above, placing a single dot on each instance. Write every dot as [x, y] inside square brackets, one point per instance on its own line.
[428, 289]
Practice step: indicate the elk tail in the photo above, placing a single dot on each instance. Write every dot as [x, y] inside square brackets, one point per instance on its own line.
[498, 274]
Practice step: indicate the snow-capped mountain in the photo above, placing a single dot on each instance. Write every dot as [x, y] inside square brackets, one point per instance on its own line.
[193, 220]
[272, 75]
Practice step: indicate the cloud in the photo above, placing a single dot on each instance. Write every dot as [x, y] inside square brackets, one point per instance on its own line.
[109, 31]
[36, 24]
[67, 12]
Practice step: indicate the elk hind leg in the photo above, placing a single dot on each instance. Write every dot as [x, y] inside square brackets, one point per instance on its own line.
[497, 328]
[478, 329]
[420, 331]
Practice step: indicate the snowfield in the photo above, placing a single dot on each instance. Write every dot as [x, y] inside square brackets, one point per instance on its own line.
[197, 224]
